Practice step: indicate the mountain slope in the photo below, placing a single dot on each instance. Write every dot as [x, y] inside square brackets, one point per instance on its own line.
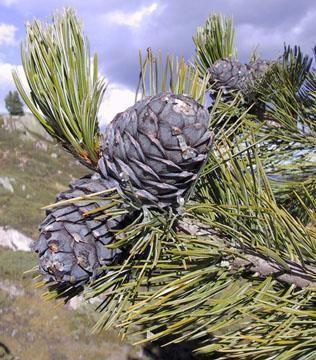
[33, 170]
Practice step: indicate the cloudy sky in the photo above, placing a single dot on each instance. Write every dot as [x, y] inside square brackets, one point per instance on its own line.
[117, 29]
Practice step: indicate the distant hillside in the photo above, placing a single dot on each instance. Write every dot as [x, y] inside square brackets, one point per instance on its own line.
[27, 125]
[33, 170]
[30, 327]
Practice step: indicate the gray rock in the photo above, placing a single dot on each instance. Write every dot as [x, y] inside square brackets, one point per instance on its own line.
[27, 124]
[41, 145]
[13, 239]
[6, 182]
[12, 289]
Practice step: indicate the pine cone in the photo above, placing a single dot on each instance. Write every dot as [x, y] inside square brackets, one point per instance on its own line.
[257, 70]
[259, 67]
[71, 246]
[155, 148]
[230, 76]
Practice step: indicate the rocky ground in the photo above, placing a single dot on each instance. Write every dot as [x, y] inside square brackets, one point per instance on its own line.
[31, 328]
[33, 169]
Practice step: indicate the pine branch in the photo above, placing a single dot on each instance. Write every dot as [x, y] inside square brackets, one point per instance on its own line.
[231, 269]
[213, 41]
[248, 259]
[65, 88]
[298, 195]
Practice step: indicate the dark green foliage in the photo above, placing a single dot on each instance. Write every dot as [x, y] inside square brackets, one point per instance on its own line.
[296, 64]
[68, 101]
[14, 104]
[231, 268]
[286, 78]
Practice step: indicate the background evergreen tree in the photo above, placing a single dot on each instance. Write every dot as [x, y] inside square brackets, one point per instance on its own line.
[13, 103]
[231, 268]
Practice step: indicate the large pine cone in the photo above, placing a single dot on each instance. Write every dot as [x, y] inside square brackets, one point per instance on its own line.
[155, 148]
[72, 246]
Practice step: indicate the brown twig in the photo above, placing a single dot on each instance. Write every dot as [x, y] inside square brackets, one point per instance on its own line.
[251, 260]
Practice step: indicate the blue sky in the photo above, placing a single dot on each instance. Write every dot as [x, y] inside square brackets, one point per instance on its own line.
[118, 28]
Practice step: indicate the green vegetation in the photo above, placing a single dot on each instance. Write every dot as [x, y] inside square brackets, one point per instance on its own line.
[69, 112]
[36, 176]
[27, 319]
[14, 264]
[14, 104]
[230, 266]
[214, 41]
[178, 77]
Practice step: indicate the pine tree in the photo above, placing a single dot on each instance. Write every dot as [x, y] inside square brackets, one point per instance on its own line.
[14, 104]
[229, 265]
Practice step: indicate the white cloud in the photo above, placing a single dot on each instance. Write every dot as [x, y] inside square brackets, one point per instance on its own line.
[8, 2]
[7, 34]
[5, 75]
[132, 19]
[6, 80]
[117, 98]
[306, 23]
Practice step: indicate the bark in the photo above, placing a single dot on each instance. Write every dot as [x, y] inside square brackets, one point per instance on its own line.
[294, 273]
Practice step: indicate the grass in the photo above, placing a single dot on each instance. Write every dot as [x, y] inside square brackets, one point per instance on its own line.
[13, 265]
[30, 327]
[50, 331]
[37, 178]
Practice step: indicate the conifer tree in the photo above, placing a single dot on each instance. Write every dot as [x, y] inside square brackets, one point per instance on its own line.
[196, 225]
[14, 104]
